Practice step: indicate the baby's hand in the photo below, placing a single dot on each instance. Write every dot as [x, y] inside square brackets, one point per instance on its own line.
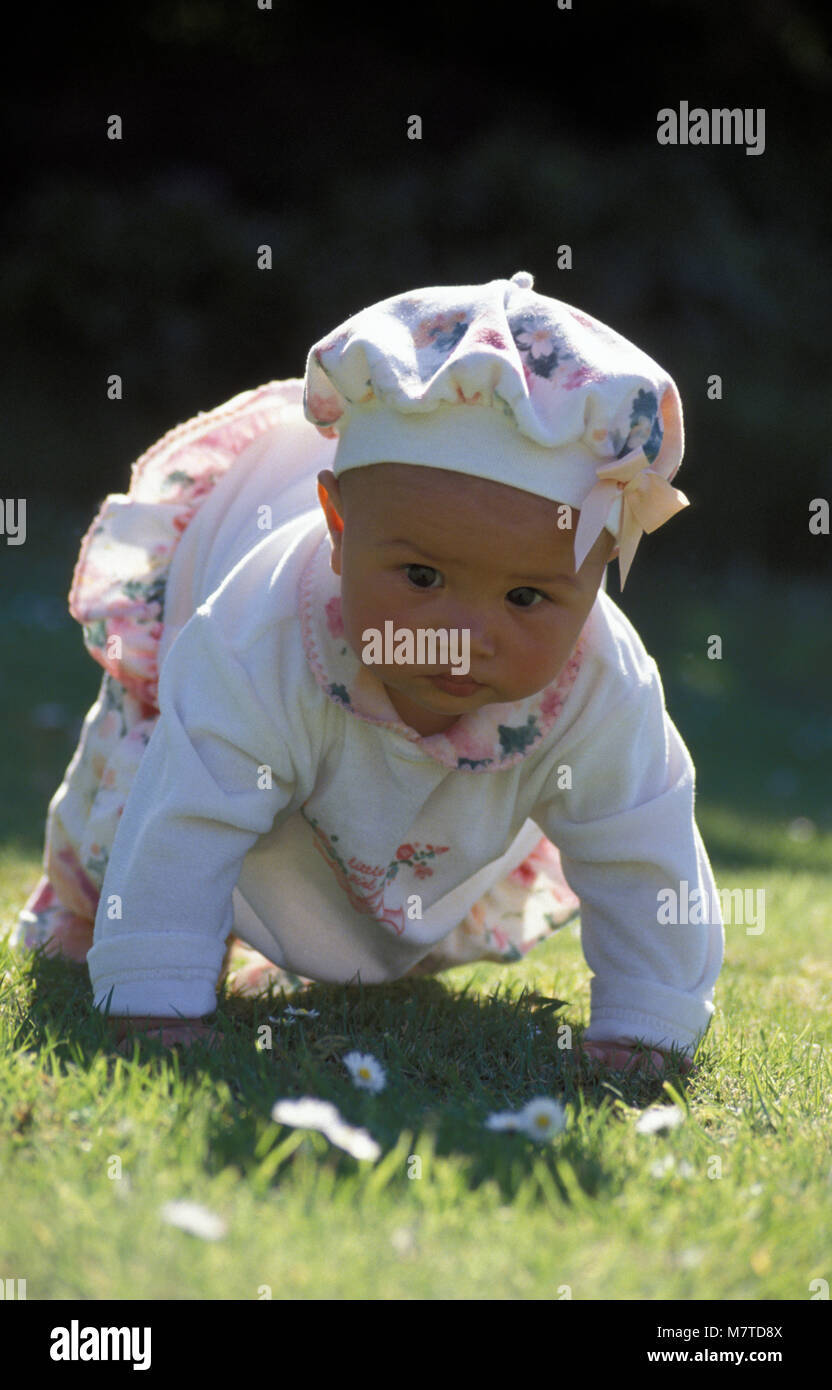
[171, 1032]
[621, 1054]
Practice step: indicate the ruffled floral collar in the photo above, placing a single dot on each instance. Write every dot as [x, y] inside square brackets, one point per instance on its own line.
[486, 740]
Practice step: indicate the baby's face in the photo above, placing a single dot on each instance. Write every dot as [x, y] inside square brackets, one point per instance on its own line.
[424, 548]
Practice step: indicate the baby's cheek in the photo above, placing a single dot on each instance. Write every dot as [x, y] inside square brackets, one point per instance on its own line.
[527, 664]
[367, 608]
[368, 590]
[360, 611]
[539, 661]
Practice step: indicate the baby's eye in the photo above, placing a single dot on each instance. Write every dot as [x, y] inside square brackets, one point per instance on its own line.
[524, 597]
[421, 575]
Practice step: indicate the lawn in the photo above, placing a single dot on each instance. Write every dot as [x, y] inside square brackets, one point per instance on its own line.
[731, 1202]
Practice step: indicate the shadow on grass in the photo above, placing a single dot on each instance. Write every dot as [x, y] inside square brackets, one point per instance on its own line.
[451, 1059]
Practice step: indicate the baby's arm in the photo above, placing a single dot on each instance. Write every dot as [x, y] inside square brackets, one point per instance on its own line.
[170, 1032]
[219, 768]
[627, 834]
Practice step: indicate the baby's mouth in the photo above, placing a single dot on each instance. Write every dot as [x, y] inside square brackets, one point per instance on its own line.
[456, 685]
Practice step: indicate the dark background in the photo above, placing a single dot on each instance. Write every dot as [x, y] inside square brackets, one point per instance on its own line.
[539, 128]
[288, 126]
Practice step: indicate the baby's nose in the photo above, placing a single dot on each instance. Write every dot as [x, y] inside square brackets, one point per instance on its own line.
[479, 626]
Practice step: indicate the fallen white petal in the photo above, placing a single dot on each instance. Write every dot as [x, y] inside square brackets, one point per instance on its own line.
[504, 1119]
[308, 1113]
[356, 1142]
[662, 1166]
[197, 1220]
[659, 1118]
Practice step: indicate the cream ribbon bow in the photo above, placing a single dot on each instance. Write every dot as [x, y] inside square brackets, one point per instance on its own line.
[648, 501]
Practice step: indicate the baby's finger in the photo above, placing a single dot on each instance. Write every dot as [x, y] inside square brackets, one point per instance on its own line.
[607, 1055]
[621, 1058]
[661, 1061]
[173, 1036]
[652, 1061]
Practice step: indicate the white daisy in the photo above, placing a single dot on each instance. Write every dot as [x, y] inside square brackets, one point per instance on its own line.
[301, 1013]
[197, 1220]
[365, 1071]
[658, 1118]
[308, 1113]
[542, 1118]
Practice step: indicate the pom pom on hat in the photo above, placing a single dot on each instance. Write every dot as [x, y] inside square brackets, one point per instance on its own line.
[500, 382]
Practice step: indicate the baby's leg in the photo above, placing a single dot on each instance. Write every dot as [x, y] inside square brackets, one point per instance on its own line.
[249, 973]
[81, 824]
[44, 921]
[521, 910]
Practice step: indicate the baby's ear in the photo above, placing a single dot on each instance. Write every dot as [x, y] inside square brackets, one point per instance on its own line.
[329, 496]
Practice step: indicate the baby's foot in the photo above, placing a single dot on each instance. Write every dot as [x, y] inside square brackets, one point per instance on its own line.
[250, 973]
[58, 930]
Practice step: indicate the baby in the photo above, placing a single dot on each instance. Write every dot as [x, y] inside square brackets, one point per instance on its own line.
[354, 803]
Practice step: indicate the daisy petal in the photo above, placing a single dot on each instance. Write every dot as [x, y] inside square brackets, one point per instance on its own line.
[658, 1118]
[306, 1113]
[504, 1119]
[356, 1142]
[195, 1219]
[321, 1115]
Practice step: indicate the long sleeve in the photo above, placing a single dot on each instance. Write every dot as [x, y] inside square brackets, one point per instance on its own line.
[217, 771]
[627, 833]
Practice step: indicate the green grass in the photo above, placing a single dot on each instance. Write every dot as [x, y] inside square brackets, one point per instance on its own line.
[733, 1203]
